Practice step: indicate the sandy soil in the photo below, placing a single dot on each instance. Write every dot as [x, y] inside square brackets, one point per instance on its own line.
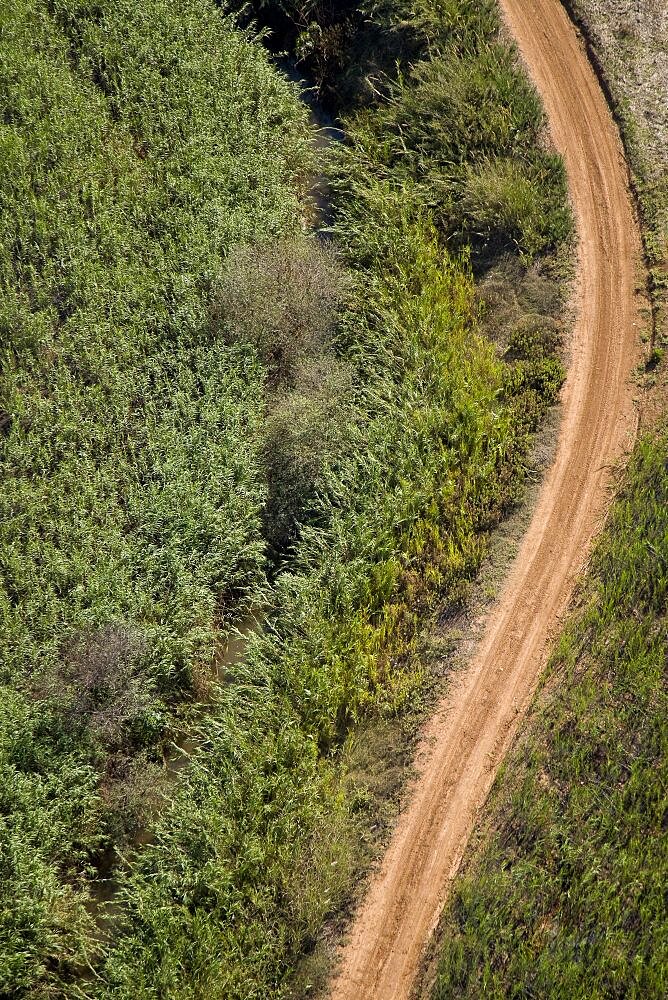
[472, 729]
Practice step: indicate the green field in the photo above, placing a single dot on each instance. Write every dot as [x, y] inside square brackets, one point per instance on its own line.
[132, 484]
[203, 408]
[564, 896]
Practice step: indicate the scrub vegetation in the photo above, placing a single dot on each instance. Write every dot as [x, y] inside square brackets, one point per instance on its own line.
[206, 409]
[565, 893]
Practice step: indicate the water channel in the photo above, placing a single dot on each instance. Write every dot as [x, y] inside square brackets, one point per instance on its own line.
[104, 904]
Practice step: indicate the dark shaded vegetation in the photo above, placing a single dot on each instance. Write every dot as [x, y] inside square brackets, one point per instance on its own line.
[565, 896]
[207, 410]
[442, 106]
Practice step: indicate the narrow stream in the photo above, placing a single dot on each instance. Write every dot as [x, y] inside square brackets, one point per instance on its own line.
[326, 134]
[104, 905]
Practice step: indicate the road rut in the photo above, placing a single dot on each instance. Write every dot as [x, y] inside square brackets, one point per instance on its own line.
[471, 731]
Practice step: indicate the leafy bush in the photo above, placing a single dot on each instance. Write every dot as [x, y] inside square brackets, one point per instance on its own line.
[133, 789]
[282, 298]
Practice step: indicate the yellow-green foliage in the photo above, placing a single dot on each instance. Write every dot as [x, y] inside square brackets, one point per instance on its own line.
[360, 583]
[566, 896]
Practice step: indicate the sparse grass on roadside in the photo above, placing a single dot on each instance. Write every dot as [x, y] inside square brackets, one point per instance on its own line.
[628, 42]
[563, 894]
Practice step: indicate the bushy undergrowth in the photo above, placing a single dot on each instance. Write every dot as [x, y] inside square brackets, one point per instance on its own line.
[566, 895]
[179, 409]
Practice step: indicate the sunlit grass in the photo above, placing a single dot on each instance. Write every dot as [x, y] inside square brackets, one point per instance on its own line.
[565, 897]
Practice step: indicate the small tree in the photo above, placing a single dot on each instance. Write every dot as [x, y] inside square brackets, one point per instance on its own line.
[282, 298]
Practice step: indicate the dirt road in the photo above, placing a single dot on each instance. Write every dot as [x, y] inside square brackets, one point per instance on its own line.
[470, 733]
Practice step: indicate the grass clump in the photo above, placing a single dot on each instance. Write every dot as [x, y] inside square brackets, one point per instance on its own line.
[565, 894]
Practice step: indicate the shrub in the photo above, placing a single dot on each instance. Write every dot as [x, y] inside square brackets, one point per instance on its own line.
[519, 307]
[282, 298]
[101, 684]
[133, 788]
[532, 338]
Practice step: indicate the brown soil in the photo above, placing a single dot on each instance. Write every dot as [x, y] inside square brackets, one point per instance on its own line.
[467, 738]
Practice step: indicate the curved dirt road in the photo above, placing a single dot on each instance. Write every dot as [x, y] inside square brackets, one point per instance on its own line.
[471, 731]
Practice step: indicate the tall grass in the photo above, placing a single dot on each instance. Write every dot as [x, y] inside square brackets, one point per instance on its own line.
[258, 848]
[565, 895]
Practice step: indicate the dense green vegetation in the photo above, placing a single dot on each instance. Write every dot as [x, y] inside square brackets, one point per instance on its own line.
[134, 154]
[566, 894]
[438, 434]
[462, 128]
[206, 410]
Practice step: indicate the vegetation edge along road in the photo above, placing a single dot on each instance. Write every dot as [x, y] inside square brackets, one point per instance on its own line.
[472, 730]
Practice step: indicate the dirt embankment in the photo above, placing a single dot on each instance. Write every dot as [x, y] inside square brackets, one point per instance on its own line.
[471, 731]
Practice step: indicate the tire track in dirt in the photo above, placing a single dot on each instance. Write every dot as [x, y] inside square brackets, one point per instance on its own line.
[470, 733]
